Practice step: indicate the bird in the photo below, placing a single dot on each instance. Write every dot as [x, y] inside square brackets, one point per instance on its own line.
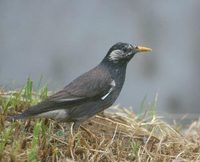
[90, 93]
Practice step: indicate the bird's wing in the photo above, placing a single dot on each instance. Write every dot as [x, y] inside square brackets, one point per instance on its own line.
[90, 86]
[93, 84]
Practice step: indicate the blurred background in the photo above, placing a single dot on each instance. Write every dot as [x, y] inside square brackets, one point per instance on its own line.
[60, 40]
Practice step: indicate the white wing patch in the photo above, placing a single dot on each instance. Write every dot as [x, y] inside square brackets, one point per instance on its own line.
[110, 90]
[113, 84]
[115, 55]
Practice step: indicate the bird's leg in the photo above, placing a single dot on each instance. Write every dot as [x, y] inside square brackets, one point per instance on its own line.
[75, 127]
[101, 113]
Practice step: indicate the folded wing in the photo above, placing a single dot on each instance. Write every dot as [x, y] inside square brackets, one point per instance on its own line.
[83, 89]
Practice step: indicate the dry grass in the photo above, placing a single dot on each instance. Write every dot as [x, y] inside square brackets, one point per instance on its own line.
[119, 136]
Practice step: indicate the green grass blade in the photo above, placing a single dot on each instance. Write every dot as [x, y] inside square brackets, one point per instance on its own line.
[32, 155]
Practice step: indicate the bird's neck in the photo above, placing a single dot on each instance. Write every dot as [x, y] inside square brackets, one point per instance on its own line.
[114, 65]
[117, 72]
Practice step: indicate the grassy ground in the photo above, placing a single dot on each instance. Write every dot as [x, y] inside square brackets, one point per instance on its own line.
[117, 136]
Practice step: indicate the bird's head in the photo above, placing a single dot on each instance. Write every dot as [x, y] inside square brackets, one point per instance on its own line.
[121, 53]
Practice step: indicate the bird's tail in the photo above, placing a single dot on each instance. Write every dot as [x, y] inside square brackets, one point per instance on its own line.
[16, 117]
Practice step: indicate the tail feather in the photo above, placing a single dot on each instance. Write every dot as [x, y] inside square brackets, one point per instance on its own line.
[31, 111]
[38, 109]
[16, 117]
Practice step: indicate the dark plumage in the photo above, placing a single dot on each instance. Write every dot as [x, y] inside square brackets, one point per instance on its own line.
[91, 92]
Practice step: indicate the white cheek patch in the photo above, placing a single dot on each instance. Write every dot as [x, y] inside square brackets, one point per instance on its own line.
[115, 55]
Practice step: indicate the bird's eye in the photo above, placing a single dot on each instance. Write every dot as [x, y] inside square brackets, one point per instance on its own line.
[127, 50]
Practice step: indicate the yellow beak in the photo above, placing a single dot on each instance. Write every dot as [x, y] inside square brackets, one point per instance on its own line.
[142, 49]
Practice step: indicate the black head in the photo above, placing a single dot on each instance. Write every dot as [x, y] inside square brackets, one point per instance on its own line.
[121, 53]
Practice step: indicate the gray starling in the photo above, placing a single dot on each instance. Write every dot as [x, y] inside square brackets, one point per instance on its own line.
[90, 93]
